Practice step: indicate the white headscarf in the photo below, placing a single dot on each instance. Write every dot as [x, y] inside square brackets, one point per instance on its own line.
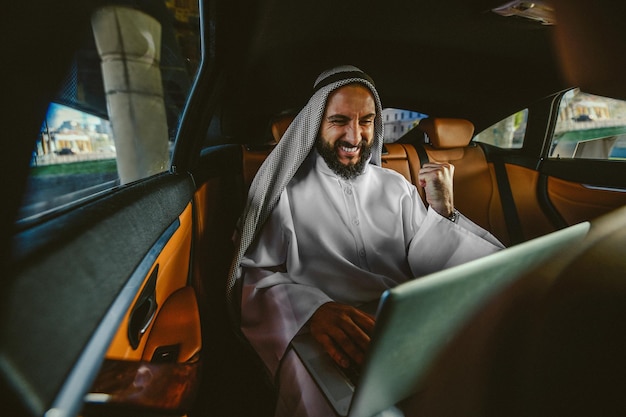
[283, 162]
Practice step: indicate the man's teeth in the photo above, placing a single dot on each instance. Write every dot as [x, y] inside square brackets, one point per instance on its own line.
[349, 148]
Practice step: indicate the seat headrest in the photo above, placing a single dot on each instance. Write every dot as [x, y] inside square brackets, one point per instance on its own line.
[280, 123]
[446, 133]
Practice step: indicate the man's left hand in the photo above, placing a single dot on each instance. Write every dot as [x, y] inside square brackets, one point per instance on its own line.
[436, 180]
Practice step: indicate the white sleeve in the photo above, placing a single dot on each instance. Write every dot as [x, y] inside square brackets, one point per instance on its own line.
[440, 243]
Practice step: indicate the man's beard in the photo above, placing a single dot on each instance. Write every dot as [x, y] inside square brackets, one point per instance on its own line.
[350, 171]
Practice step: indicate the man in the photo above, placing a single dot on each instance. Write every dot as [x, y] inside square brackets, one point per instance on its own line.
[327, 229]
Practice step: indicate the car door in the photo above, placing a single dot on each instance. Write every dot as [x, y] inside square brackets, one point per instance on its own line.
[554, 165]
[585, 158]
[100, 305]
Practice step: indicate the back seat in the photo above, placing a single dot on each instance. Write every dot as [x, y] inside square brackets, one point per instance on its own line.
[254, 155]
[475, 189]
[448, 140]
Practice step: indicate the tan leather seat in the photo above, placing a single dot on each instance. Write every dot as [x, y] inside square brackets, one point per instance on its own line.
[253, 156]
[475, 191]
[403, 158]
[449, 140]
[280, 123]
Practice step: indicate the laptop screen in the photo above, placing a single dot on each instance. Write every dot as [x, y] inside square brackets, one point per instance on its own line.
[416, 319]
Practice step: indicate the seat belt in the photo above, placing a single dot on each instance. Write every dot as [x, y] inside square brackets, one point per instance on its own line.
[421, 152]
[423, 158]
[511, 216]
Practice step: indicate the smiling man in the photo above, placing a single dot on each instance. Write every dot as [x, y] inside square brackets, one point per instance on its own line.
[347, 131]
[327, 229]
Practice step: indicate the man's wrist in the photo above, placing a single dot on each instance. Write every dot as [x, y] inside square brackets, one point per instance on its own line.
[454, 216]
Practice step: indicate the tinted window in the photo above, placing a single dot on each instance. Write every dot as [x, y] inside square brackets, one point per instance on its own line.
[397, 122]
[508, 133]
[116, 116]
[589, 127]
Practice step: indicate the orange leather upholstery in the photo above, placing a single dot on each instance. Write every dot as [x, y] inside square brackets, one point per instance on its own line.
[172, 265]
[178, 324]
[445, 133]
[253, 157]
[475, 194]
[578, 203]
[532, 218]
[403, 158]
[395, 157]
[475, 191]
[280, 124]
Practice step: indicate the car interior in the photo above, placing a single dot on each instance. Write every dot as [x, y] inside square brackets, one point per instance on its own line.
[113, 290]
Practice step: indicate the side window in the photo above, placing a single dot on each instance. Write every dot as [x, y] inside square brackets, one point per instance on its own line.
[116, 116]
[589, 127]
[397, 122]
[507, 133]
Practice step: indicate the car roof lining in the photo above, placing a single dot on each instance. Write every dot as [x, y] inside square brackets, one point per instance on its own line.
[450, 59]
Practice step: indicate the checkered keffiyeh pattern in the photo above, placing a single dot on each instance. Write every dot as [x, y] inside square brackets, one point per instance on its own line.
[283, 162]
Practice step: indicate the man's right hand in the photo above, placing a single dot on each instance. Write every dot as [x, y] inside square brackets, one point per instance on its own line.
[344, 332]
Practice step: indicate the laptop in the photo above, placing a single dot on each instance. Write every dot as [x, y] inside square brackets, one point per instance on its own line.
[416, 319]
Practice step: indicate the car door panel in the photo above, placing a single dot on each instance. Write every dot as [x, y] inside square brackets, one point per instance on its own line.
[545, 202]
[579, 202]
[582, 189]
[176, 335]
[166, 377]
[169, 275]
[102, 250]
[153, 362]
[524, 182]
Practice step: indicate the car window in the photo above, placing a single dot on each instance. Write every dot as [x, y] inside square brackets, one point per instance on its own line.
[116, 115]
[589, 127]
[397, 122]
[508, 133]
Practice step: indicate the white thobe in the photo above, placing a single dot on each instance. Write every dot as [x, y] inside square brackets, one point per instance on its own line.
[331, 239]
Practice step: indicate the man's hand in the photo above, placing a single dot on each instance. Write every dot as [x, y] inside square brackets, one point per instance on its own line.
[436, 180]
[343, 331]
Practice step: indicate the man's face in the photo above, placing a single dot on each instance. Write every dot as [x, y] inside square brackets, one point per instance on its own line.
[347, 129]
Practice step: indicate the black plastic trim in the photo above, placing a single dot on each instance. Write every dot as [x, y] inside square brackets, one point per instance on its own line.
[70, 399]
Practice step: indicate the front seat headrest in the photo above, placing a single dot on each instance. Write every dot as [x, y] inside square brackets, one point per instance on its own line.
[447, 133]
[281, 122]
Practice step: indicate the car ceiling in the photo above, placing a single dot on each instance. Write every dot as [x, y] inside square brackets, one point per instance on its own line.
[446, 58]
[451, 58]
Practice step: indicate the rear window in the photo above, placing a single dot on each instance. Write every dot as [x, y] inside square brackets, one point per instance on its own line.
[115, 118]
[589, 127]
[398, 122]
[508, 133]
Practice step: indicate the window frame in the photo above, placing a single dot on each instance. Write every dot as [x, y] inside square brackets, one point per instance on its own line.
[28, 217]
[605, 174]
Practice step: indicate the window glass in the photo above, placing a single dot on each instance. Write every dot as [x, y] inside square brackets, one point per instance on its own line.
[508, 133]
[116, 116]
[589, 127]
[398, 122]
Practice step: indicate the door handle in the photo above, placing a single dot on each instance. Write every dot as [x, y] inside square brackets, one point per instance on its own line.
[143, 311]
